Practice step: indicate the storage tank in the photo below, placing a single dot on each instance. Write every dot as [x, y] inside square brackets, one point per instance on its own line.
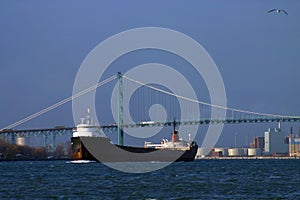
[21, 141]
[235, 152]
[245, 151]
[223, 150]
[202, 152]
[254, 152]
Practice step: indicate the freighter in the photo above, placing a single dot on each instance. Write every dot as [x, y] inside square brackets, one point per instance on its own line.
[89, 143]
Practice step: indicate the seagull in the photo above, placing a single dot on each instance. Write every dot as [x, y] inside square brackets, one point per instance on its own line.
[278, 11]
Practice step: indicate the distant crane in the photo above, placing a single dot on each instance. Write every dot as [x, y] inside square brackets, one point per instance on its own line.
[278, 11]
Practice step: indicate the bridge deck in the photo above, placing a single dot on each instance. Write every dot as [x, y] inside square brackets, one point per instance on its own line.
[110, 128]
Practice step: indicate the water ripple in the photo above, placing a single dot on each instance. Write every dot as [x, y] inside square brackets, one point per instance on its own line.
[205, 179]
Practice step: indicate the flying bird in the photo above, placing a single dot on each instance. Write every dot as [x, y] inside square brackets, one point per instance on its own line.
[278, 11]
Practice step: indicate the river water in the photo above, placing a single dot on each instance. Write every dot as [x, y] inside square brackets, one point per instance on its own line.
[202, 179]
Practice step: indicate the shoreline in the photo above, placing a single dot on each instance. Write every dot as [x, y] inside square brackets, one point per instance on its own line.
[248, 158]
[197, 158]
[16, 160]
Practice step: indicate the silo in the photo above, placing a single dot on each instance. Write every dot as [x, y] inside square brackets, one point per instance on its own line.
[254, 152]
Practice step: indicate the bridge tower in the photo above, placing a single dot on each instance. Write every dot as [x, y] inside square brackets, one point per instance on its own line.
[120, 110]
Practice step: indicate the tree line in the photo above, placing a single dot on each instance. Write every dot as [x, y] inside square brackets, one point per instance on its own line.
[19, 152]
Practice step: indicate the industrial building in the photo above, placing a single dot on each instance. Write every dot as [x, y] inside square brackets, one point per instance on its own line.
[275, 142]
[258, 143]
[294, 145]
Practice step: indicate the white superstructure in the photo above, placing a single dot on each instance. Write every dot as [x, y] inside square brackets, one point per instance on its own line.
[87, 129]
[176, 143]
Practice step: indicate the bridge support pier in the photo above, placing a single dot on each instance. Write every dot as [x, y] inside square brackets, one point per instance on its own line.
[49, 141]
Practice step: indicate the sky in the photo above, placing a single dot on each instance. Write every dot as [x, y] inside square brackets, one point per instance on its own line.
[42, 45]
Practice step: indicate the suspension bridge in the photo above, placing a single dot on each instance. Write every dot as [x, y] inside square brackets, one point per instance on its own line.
[186, 110]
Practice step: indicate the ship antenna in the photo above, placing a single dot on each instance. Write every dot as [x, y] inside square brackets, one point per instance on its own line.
[82, 120]
[89, 115]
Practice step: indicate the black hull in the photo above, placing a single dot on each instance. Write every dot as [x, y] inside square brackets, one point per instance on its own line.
[100, 149]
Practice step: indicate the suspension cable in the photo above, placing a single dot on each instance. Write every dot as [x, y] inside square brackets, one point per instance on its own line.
[45, 110]
[208, 104]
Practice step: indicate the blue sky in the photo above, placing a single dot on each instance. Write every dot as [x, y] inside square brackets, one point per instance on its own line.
[42, 45]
